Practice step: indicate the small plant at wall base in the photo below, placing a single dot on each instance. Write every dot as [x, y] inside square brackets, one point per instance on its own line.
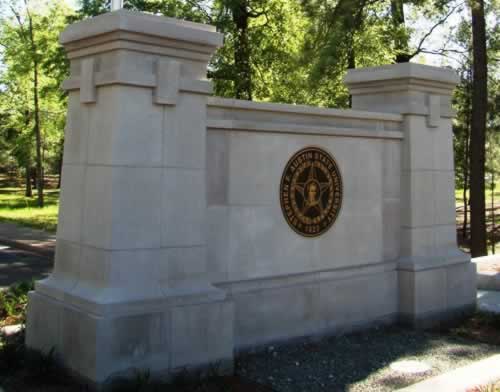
[13, 303]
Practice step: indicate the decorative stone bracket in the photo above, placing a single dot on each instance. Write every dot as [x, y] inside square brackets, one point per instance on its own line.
[132, 49]
[167, 81]
[434, 115]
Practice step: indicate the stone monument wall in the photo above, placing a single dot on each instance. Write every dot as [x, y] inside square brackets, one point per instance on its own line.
[191, 226]
[343, 278]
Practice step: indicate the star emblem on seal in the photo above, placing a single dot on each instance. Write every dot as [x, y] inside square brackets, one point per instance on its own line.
[311, 191]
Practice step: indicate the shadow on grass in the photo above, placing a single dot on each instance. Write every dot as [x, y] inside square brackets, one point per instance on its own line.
[15, 200]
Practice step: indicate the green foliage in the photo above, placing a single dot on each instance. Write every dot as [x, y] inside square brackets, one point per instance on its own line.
[13, 302]
[16, 83]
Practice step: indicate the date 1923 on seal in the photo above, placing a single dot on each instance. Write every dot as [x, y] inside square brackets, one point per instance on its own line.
[311, 191]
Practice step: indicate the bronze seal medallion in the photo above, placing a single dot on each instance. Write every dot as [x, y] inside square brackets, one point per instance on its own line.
[311, 191]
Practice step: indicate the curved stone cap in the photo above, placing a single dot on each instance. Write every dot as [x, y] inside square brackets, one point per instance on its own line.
[402, 71]
[143, 24]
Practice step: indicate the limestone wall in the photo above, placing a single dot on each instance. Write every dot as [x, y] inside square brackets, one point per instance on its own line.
[259, 259]
[248, 147]
[172, 248]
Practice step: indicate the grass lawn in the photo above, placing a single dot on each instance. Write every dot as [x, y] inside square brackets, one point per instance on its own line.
[17, 208]
[459, 195]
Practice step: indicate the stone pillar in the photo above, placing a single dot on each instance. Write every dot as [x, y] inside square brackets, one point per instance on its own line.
[436, 279]
[130, 287]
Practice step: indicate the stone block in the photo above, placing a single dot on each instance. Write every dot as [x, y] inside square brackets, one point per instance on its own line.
[461, 285]
[362, 186]
[418, 241]
[76, 132]
[135, 339]
[116, 138]
[358, 300]
[330, 251]
[445, 236]
[71, 203]
[391, 223]
[443, 146]
[137, 197]
[444, 198]
[430, 295]
[391, 186]
[98, 207]
[183, 264]
[121, 207]
[202, 334]
[67, 258]
[185, 133]
[422, 292]
[368, 231]
[419, 192]
[217, 243]
[43, 324]
[260, 316]
[107, 277]
[66, 270]
[418, 152]
[82, 346]
[254, 168]
[217, 168]
[183, 208]
[253, 235]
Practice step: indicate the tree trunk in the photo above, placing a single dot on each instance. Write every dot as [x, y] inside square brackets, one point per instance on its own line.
[477, 144]
[493, 242]
[28, 192]
[243, 81]
[466, 167]
[351, 64]
[38, 136]
[400, 41]
[60, 166]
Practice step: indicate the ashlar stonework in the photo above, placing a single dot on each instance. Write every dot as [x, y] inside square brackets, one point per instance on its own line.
[172, 246]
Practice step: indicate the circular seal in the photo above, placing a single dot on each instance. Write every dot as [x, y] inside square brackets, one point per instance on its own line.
[311, 191]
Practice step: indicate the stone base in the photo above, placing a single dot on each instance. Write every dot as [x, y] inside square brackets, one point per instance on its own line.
[436, 291]
[200, 328]
[313, 305]
[162, 339]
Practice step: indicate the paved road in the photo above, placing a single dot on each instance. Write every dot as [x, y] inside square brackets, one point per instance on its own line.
[18, 265]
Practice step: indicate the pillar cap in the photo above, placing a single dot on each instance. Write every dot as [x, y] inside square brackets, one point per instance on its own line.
[402, 76]
[141, 32]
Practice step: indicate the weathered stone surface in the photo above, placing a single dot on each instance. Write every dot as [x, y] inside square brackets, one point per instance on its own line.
[435, 278]
[173, 250]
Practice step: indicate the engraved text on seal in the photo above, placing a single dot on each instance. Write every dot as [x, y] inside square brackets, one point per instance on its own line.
[311, 191]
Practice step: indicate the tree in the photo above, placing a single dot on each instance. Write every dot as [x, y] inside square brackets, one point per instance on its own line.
[348, 34]
[27, 37]
[30, 78]
[478, 130]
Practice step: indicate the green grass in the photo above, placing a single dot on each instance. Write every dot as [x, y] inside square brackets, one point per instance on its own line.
[459, 195]
[17, 208]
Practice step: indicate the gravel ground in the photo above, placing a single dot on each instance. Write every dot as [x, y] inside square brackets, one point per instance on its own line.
[358, 362]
